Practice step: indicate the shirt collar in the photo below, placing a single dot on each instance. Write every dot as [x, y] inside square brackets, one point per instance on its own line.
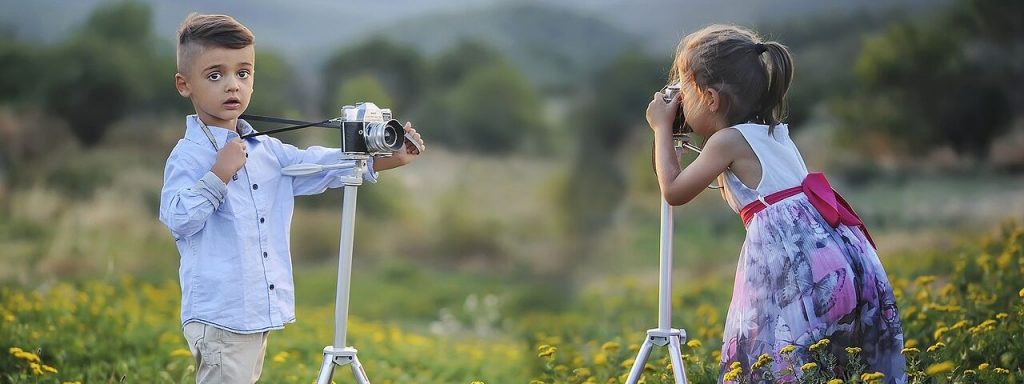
[194, 131]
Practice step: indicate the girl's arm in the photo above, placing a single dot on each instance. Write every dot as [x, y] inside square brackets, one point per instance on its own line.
[679, 186]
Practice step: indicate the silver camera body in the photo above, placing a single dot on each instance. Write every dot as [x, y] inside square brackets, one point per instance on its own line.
[679, 126]
[371, 130]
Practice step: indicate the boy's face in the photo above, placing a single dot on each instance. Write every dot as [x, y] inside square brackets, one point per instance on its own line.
[219, 82]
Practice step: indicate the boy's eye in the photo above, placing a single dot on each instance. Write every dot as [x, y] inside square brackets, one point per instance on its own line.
[243, 74]
[214, 76]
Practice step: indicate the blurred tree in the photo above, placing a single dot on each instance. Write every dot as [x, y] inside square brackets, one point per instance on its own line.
[619, 94]
[19, 71]
[102, 71]
[947, 76]
[364, 87]
[399, 68]
[493, 109]
[466, 56]
[275, 92]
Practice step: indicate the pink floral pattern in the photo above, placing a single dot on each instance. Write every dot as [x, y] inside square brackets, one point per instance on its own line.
[798, 280]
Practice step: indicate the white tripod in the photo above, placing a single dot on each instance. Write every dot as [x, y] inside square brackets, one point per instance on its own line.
[664, 335]
[338, 353]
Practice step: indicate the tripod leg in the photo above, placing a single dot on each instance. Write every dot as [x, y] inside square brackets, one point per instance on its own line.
[358, 372]
[641, 360]
[675, 354]
[326, 370]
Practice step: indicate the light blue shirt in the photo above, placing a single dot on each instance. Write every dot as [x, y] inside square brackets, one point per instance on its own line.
[236, 269]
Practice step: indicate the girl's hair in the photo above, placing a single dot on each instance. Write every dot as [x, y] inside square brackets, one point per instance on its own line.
[751, 75]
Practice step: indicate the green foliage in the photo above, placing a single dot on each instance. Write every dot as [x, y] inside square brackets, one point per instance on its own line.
[492, 110]
[362, 88]
[276, 92]
[399, 68]
[946, 78]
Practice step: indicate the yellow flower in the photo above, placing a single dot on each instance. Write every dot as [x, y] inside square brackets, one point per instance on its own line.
[280, 357]
[600, 358]
[939, 332]
[694, 344]
[36, 369]
[820, 344]
[48, 368]
[1001, 371]
[580, 372]
[734, 374]
[546, 350]
[808, 367]
[835, 381]
[853, 350]
[610, 347]
[1021, 293]
[939, 368]
[911, 351]
[1002, 316]
[959, 324]
[787, 349]
[936, 347]
[982, 366]
[27, 356]
[761, 362]
[476, 382]
[14, 350]
[734, 365]
[72, 382]
[181, 352]
[873, 376]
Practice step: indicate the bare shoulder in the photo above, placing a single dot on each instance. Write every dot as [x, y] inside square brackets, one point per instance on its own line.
[728, 142]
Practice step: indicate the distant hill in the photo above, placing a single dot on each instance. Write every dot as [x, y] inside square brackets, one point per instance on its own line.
[551, 40]
[551, 45]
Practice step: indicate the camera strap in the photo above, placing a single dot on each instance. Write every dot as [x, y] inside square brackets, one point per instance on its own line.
[299, 124]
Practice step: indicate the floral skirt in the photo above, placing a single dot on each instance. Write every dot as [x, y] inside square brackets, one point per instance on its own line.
[799, 281]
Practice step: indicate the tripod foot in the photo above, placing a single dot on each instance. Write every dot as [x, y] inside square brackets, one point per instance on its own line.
[672, 338]
[340, 357]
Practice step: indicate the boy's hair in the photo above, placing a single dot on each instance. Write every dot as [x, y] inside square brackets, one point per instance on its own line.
[732, 60]
[201, 31]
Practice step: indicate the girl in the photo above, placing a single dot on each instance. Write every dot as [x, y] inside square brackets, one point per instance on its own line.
[807, 269]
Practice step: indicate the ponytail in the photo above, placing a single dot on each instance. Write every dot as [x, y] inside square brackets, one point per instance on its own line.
[779, 71]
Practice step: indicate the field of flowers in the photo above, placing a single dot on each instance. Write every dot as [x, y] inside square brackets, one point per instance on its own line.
[965, 325]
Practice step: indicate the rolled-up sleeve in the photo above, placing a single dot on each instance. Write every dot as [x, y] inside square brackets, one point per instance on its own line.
[319, 182]
[189, 196]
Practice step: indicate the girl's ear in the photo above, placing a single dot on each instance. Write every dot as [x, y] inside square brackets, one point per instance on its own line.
[182, 85]
[713, 100]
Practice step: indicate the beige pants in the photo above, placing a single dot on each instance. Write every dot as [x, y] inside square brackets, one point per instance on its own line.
[223, 356]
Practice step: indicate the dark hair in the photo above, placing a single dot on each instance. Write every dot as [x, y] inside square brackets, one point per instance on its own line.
[751, 75]
[201, 31]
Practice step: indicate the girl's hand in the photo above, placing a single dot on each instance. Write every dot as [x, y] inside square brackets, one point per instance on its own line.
[660, 115]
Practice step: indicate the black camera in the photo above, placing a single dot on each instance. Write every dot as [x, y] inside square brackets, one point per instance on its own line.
[368, 129]
[679, 126]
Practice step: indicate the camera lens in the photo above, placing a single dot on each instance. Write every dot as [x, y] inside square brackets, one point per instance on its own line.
[383, 137]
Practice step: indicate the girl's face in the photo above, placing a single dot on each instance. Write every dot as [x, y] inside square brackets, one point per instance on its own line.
[700, 109]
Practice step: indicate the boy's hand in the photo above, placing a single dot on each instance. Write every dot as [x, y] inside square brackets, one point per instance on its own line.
[407, 154]
[230, 159]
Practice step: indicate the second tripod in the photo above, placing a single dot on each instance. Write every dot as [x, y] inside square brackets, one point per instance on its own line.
[664, 335]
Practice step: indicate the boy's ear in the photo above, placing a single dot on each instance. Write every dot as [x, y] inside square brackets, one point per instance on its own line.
[182, 85]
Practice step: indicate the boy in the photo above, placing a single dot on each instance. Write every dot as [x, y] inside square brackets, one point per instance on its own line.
[229, 208]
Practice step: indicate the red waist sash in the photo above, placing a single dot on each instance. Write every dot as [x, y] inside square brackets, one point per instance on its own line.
[832, 207]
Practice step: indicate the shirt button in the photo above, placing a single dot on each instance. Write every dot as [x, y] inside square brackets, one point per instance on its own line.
[255, 186]
[271, 287]
[264, 255]
[261, 220]
[234, 177]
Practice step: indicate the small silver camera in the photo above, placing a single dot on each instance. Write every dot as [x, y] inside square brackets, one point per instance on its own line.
[679, 126]
[368, 129]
